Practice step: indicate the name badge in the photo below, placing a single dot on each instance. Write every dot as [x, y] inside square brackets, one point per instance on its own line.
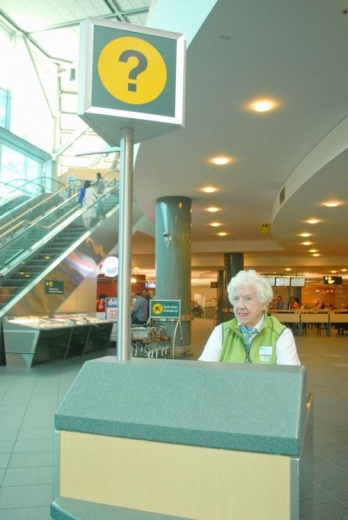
[265, 354]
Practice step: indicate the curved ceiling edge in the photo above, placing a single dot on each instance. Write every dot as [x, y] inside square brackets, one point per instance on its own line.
[323, 153]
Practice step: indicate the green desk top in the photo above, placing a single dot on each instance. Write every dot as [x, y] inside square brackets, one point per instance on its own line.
[253, 408]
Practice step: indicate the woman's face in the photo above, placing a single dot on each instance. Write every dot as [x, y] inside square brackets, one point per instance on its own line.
[247, 308]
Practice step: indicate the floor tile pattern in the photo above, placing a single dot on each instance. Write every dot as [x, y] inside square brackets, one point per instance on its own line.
[30, 397]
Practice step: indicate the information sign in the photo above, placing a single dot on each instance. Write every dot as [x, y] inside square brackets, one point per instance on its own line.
[130, 76]
[54, 287]
[165, 309]
[111, 309]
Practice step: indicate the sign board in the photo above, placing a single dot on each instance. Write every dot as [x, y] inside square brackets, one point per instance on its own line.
[130, 77]
[110, 266]
[165, 309]
[111, 309]
[54, 287]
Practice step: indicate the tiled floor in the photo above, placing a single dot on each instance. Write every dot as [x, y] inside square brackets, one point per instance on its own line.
[29, 399]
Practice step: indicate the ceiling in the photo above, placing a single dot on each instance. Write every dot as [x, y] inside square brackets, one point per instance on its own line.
[284, 163]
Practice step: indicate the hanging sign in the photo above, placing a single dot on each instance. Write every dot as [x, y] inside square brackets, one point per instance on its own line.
[130, 76]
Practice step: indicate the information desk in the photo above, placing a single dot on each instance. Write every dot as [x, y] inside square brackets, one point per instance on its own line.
[150, 438]
[35, 339]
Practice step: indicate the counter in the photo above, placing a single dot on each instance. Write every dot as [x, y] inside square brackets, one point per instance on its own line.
[34, 339]
[186, 439]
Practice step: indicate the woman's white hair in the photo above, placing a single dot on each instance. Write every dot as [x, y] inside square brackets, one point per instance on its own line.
[261, 285]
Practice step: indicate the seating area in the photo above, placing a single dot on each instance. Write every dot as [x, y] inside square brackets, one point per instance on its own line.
[300, 320]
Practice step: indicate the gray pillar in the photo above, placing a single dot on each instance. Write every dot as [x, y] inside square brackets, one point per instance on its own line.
[173, 260]
[234, 262]
[220, 298]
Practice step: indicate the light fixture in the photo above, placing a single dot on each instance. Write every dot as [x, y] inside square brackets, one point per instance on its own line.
[216, 224]
[304, 235]
[306, 243]
[312, 221]
[222, 233]
[262, 105]
[212, 209]
[221, 161]
[313, 250]
[209, 189]
[331, 204]
[133, 280]
[316, 254]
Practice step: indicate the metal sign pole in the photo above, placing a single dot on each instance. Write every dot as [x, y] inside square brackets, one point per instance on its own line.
[125, 245]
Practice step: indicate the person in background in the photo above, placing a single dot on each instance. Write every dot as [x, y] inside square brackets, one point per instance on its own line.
[280, 303]
[293, 304]
[89, 199]
[147, 295]
[100, 188]
[140, 311]
[252, 336]
[101, 303]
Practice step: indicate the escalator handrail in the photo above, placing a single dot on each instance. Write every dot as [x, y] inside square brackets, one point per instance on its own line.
[79, 211]
[23, 216]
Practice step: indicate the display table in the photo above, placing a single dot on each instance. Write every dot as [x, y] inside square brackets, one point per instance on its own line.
[183, 439]
[34, 339]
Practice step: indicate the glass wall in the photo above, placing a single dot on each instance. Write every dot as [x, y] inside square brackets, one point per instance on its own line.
[28, 95]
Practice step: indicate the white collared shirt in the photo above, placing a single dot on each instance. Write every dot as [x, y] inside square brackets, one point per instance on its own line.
[286, 352]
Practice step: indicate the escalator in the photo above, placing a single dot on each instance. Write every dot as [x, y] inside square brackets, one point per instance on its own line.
[23, 202]
[56, 246]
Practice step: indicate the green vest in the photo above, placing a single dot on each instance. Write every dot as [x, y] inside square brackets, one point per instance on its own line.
[233, 350]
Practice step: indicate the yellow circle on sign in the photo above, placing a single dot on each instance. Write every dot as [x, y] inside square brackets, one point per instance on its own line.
[132, 70]
[157, 308]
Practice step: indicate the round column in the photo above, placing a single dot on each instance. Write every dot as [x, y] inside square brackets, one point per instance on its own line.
[220, 297]
[173, 261]
[234, 262]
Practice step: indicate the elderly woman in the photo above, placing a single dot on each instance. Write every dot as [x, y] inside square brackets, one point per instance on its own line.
[252, 336]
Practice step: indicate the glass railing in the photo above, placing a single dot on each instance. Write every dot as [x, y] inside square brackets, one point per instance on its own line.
[28, 216]
[30, 188]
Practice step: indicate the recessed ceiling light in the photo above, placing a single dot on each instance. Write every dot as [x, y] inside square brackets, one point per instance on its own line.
[304, 235]
[316, 254]
[222, 234]
[212, 209]
[216, 224]
[220, 161]
[313, 250]
[262, 105]
[209, 189]
[306, 243]
[331, 204]
[312, 221]
[288, 269]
